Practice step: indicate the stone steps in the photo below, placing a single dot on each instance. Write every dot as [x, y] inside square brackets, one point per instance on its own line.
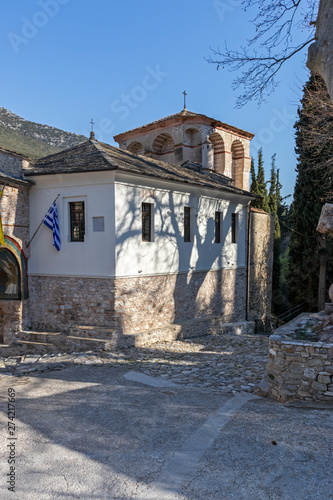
[53, 342]
[97, 332]
[90, 338]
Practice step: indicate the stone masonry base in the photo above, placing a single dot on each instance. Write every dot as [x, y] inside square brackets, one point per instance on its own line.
[133, 305]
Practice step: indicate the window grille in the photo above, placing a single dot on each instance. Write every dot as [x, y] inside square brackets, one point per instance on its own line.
[146, 222]
[217, 227]
[187, 224]
[234, 228]
[77, 220]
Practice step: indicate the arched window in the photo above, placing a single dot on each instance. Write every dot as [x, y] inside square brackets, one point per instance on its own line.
[136, 148]
[163, 148]
[10, 280]
[237, 165]
[219, 152]
[163, 144]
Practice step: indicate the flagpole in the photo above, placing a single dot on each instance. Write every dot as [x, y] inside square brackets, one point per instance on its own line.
[29, 243]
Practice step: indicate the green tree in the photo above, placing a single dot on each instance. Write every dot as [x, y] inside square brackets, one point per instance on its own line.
[253, 187]
[314, 154]
[274, 202]
[258, 185]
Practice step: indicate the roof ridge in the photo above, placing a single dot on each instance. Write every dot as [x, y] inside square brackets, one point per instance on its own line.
[183, 112]
[104, 153]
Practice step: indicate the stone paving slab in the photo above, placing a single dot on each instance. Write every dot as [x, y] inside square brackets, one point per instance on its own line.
[88, 433]
[227, 363]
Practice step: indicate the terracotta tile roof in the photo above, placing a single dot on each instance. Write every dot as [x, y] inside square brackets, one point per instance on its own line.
[93, 156]
[186, 113]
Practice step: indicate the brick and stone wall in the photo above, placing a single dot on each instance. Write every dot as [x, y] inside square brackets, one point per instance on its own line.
[136, 304]
[13, 163]
[299, 369]
[14, 209]
[261, 241]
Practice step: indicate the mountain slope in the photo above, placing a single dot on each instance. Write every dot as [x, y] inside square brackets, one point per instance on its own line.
[33, 139]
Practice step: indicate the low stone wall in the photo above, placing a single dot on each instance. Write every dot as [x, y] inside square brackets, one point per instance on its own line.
[299, 369]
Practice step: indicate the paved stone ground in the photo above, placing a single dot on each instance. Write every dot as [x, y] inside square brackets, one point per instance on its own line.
[220, 363]
[86, 432]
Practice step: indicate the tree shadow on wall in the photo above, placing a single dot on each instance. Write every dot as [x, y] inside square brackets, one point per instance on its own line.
[197, 278]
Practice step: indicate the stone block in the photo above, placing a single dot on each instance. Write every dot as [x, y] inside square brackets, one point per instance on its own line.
[324, 379]
[310, 373]
[316, 363]
[317, 386]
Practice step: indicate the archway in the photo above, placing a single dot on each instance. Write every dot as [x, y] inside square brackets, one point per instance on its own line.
[164, 146]
[136, 148]
[237, 163]
[10, 276]
[219, 152]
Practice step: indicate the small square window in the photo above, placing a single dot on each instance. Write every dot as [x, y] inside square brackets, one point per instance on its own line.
[98, 224]
[77, 222]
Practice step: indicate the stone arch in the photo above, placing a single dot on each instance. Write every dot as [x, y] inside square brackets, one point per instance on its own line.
[237, 163]
[163, 144]
[10, 275]
[136, 148]
[14, 248]
[13, 288]
[163, 148]
[219, 152]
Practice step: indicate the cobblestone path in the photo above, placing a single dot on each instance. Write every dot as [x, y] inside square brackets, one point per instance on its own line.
[221, 363]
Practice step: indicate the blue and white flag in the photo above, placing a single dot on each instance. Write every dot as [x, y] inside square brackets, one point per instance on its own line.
[51, 221]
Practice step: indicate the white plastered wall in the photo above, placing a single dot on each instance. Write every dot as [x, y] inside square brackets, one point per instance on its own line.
[168, 253]
[94, 256]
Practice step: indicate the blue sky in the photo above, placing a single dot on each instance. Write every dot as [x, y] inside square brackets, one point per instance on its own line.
[127, 63]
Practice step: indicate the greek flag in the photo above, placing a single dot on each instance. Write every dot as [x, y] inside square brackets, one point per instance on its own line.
[51, 221]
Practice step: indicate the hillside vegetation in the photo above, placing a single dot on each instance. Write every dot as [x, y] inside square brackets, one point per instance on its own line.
[33, 139]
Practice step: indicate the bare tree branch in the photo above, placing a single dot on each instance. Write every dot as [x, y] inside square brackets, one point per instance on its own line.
[275, 24]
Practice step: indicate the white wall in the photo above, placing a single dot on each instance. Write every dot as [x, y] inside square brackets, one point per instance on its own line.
[168, 253]
[94, 256]
[119, 250]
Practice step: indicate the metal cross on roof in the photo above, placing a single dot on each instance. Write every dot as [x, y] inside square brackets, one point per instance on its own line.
[92, 124]
[185, 94]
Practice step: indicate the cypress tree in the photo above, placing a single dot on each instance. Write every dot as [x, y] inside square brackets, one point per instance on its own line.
[306, 244]
[253, 187]
[274, 202]
[260, 185]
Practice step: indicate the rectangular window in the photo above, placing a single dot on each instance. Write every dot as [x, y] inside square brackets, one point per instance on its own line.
[187, 224]
[146, 221]
[217, 227]
[77, 220]
[234, 228]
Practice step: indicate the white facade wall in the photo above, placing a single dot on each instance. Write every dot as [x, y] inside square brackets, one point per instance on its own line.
[119, 250]
[168, 253]
[94, 256]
